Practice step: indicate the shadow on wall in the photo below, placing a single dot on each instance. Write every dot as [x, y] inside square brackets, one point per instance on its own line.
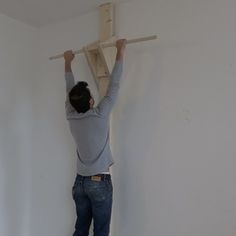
[13, 213]
[135, 124]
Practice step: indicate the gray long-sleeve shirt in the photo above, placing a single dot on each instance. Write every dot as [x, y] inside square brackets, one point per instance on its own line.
[91, 129]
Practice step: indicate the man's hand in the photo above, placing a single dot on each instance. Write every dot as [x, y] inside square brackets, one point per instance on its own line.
[69, 56]
[120, 46]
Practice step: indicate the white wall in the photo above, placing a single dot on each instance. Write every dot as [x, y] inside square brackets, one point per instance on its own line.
[17, 52]
[173, 129]
[54, 164]
[173, 126]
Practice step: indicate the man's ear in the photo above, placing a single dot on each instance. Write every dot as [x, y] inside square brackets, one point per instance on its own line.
[91, 102]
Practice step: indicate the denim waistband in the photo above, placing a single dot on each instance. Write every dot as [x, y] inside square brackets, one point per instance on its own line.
[102, 176]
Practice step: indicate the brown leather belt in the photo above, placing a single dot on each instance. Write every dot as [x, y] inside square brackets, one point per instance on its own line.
[98, 178]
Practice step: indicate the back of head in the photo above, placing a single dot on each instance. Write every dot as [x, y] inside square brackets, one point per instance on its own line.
[80, 96]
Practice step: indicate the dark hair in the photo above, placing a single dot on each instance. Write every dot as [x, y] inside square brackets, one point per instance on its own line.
[79, 97]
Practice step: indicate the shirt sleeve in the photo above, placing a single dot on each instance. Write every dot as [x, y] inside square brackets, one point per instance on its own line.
[107, 103]
[70, 82]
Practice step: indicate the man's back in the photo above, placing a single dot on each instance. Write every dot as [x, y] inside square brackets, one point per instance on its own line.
[91, 134]
[92, 190]
[91, 129]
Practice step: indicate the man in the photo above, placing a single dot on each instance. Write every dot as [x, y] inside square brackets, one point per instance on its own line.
[89, 125]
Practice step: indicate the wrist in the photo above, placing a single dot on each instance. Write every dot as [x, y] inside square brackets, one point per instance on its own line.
[68, 66]
[120, 54]
[121, 50]
[68, 62]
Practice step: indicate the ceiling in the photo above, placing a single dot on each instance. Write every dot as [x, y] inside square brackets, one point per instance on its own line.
[40, 13]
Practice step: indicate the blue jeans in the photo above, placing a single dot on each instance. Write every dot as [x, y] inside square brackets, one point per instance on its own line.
[93, 200]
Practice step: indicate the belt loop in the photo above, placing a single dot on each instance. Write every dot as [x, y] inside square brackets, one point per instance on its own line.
[106, 177]
[81, 179]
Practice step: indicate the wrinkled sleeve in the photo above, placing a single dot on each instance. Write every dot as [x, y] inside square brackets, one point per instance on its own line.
[70, 82]
[107, 103]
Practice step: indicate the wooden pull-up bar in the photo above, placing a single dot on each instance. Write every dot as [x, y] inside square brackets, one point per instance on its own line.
[107, 45]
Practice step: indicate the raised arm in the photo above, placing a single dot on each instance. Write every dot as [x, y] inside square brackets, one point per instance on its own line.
[69, 78]
[107, 103]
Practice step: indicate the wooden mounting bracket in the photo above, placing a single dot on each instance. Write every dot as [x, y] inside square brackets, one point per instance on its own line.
[100, 55]
[100, 61]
